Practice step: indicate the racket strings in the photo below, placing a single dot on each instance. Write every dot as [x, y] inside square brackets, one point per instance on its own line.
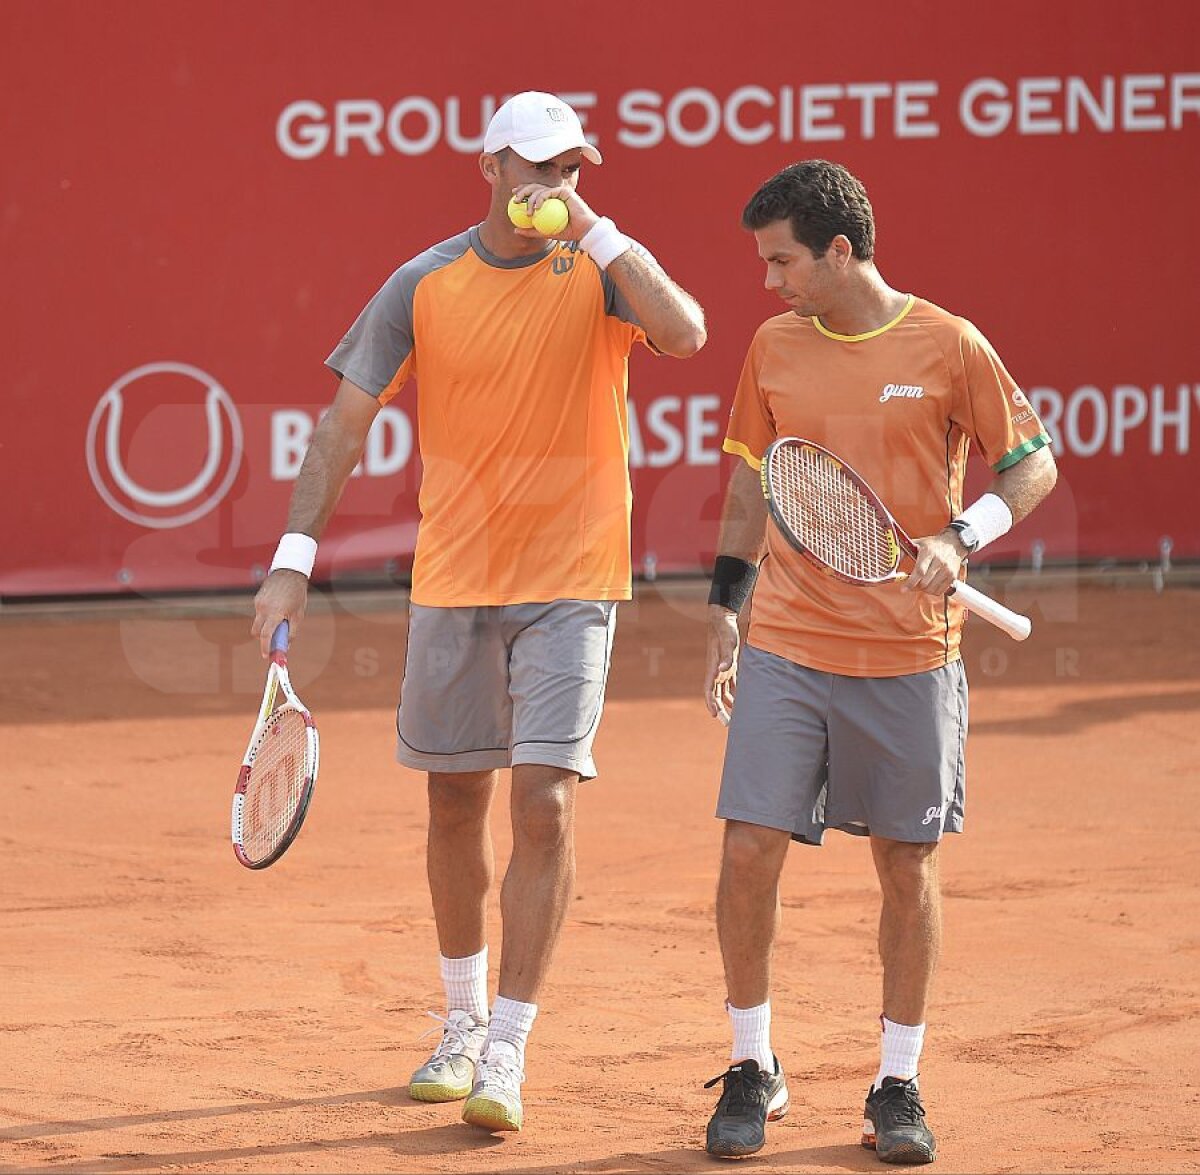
[279, 773]
[830, 515]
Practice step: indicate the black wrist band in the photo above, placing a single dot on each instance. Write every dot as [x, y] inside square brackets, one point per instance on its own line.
[732, 582]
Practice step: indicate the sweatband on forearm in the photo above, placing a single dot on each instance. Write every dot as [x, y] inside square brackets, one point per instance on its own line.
[296, 552]
[732, 581]
[604, 242]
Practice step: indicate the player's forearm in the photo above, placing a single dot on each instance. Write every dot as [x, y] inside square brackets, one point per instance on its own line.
[1024, 485]
[672, 319]
[327, 466]
[744, 517]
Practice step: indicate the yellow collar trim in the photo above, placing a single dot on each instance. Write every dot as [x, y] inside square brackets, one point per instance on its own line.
[871, 333]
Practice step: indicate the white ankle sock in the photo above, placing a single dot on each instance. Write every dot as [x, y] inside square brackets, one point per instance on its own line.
[752, 1035]
[900, 1050]
[511, 1022]
[465, 981]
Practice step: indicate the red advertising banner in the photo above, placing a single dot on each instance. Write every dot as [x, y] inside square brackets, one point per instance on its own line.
[197, 198]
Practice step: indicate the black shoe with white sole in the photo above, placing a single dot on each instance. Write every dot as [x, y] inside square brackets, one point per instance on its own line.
[750, 1099]
[894, 1124]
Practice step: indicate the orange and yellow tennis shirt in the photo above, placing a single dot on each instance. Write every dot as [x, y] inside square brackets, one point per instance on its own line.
[521, 369]
[902, 405]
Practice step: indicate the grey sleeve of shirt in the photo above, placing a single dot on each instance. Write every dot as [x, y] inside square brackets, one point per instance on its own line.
[382, 336]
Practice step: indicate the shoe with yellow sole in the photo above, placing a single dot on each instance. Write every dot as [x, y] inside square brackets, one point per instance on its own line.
[495, 1100]
[449, 1074]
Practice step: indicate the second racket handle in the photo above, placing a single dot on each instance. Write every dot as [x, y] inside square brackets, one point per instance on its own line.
[1017, 626]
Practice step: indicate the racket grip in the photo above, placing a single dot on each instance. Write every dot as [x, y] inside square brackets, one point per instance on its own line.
[279, 639]
[1017, 626]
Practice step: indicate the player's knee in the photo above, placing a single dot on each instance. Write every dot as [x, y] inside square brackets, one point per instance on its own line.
[544, 816]
[907, 871]
[751, 849]
[457, 803]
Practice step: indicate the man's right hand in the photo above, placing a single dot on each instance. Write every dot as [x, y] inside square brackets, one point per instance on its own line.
[283, 596]
[720, 677]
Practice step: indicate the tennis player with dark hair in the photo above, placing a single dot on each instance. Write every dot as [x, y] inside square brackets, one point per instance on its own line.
[851, 702]
[519, 345]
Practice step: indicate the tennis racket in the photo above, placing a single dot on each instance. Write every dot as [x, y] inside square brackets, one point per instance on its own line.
[837, 522]
[279, 769]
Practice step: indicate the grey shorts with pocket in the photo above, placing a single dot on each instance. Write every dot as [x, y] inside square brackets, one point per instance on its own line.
[492, 687]
[879, 756]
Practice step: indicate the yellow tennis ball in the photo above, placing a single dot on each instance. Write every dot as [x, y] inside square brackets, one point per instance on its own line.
[518, 213]
[551, 217]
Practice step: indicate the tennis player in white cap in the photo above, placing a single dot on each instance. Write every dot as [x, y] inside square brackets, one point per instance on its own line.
[519, 345]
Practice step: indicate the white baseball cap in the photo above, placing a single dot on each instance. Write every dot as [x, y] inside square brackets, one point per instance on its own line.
[537, 127]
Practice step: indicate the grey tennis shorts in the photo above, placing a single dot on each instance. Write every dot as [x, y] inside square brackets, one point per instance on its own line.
[879, 756]
[491, 687]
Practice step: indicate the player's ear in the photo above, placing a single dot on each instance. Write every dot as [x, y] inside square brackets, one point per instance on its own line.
[841, 252]
[490, 166]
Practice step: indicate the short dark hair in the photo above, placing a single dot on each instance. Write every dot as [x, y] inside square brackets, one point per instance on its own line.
[822, 200]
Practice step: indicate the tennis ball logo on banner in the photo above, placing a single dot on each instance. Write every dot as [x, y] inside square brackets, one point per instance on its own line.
[153, 422]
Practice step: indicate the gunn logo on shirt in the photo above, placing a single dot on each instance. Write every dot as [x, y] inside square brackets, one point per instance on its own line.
[901, 391]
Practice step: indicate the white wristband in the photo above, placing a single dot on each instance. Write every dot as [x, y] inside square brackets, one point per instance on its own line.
[989, 518]
[296, 552]
[604, 242]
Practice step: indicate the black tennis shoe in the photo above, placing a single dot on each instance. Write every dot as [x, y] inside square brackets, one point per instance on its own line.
[750, 1099]
[894, 1124]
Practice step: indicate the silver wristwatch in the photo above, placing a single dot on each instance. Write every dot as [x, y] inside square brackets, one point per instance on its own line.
[966, 534]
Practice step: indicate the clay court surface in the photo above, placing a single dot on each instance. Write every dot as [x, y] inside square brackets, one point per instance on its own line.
[165, 1009]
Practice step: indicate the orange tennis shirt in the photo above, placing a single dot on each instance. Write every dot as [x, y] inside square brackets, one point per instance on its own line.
[521, 369]
[902, 405]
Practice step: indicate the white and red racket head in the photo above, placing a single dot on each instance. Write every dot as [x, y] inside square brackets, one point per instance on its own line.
[278, 772]
[838, 523]
[830, 514]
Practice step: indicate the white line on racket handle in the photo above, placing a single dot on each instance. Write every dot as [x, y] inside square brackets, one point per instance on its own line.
[722, 716]
[1017, 626]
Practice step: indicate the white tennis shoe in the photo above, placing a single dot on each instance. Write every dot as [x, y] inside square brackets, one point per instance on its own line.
[495, 1101]
[448, 1075]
